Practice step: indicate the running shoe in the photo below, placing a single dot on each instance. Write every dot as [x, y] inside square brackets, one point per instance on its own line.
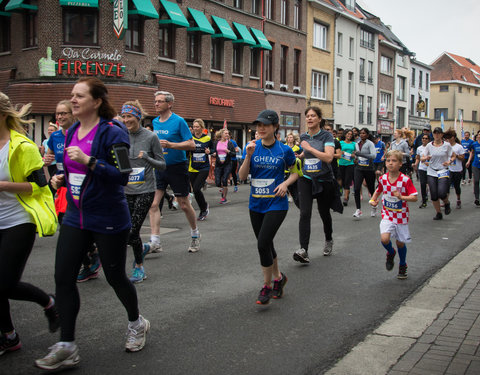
[175, 205]
[402, 272]
[52, 316]
[301, 255]
[235, 189]
[264, 295]
[357, 214]
[152, 248]
[203, 215]
[195, 244]
[328, 249]
[138, 275]
[278, 286]
[373, 212]
[223, 200]
[459, 205]
[60, 356]
[390, 261]
[423, 205]
[136, 336]
[170, 201]
[9, 345]
[447, 209]
[477, 203]
[469, 181]
[345, 203]
[95, 262]
[85, 274]
[438, 216]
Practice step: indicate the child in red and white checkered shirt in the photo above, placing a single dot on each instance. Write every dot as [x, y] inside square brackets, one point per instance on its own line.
[397, 190]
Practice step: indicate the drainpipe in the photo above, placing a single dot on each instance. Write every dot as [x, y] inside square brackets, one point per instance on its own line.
[261, 51]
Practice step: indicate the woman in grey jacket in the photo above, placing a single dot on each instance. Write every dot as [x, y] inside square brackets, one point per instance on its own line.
[401, 144]
[365, 153]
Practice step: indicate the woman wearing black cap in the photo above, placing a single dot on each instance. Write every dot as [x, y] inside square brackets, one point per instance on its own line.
[439, 155]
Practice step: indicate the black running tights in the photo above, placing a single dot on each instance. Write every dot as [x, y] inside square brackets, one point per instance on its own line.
[71, 248]
[197, 180]
[138, 205]
[265, 226]
[16, 243]
[439, 187]
[358, 176]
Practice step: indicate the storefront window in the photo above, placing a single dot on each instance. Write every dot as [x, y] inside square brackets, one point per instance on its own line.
[30, 22]
[166, 38]
[193, 48]
[80, 26]
[134, 33]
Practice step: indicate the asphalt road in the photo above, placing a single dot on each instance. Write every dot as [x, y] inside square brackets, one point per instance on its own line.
[202, 306]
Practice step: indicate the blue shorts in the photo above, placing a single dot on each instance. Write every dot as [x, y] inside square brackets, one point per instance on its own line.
[175, 175]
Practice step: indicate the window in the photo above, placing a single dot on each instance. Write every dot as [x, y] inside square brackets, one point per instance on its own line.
[460, 114]
[30, 21]
[289, 119]
[370, 72]
[361, 103]
[427, 81]
[296, 68]
[412, 81]
[297, 12]
[339, 85]
[386, 98]
[166, 37]
[4, 31]
[268, 56]
[350, 4]
[351, 48]
[238, 4]
[237, 58]
[319, 85]
[284, 12]
[350, 88]
[193, 48]
[474, 116]
[412, 105]
[426, 107]
[268, 9]
[319, 35]
[283, 65]
[366, 39]
[134, 33]
[256, 6]
[80, 26]
[369, 110]
[385, 65]
[340, 43]
[254, 59]
[400, 117]
[437, 113]
[401, 88]
[362, 70]
[459, 89]
[476, 92]
[420, 79]
[443, 88]
[217, 54]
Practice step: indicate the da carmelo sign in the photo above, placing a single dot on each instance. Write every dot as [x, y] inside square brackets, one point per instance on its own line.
[120, 17]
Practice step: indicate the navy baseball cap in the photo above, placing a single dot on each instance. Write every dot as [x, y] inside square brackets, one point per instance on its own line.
[267, 117]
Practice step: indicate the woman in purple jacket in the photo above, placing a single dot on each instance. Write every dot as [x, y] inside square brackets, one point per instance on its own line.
[97, 212]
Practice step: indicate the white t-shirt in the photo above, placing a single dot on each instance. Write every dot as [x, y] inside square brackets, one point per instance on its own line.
[456, 166]
[421, 165]
[439, 155]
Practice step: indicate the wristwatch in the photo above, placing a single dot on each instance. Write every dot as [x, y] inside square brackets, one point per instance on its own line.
[91, 161]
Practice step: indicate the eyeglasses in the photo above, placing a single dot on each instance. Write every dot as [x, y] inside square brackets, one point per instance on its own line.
[426, 138]
[58, 114]
[160, 101]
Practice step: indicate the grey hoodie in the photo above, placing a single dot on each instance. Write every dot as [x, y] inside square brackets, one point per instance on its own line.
[364, 158]
[403, 147]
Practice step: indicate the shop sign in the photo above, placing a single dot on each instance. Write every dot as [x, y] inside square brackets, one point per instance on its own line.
[385, 127]
[382, 110]
[90, 68]
[119, 18]
[222, 102]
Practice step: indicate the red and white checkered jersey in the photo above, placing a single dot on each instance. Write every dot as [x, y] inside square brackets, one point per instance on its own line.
[394, 209]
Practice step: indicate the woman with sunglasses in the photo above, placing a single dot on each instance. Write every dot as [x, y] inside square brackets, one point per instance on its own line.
[421, 168]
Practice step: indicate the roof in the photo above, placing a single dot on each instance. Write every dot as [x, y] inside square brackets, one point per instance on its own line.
[450, 67]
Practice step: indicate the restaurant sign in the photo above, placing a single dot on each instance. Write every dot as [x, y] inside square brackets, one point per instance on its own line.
[221, 102]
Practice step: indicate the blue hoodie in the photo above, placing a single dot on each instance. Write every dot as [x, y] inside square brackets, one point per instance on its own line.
[102, 205]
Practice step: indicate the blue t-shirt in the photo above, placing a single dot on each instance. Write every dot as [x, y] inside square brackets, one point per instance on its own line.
[175, 130]
[466, 146]
[235, 145]
[475, 146]
[380, 147]
[56, 143]
[267, 168]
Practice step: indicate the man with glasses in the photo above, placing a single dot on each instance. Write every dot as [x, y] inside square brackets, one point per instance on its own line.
[175, 138]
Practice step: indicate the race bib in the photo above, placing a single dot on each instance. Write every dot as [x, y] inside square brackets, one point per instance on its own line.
[347, 156]
[199, 157]
[444, 173]
[364, 162]
[222, 158]
[392, 203]
[137, 176]
[75, 180]
[263, 187]
[60, 167]
[313, 165]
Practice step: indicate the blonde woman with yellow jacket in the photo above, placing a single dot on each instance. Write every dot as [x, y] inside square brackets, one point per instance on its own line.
[26, 207]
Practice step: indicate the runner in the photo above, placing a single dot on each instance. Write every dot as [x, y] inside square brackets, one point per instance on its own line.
[338, 149]
[397, 190]
[234, 162]
[346, 165]
[467, 144]
[401, 144]
[379, 161]
[456, 166]
[317, 182]
[97, 212]
[199, 166]
[365, 153]
[266, 159]
[421, 168]
[145, 153]
[474, 161]
[26, 207]
[439, 155]
[292, 141]
[223, 150]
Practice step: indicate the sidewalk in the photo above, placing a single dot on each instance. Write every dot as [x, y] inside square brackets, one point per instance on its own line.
[436, 331]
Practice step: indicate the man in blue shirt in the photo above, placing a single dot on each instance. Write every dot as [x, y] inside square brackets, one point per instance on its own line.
[467, 144]
[175, 138]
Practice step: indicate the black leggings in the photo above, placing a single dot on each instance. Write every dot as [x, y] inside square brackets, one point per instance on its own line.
[358, 177]
[234, 172]
[456, 178]
[197, 180]
[265, 226]
[423, 184]
[138, 205]
[71, 248]
[222, 172]
[439, 187]
[323, 204]
[346, 175]
[16, 243]
[464, 171]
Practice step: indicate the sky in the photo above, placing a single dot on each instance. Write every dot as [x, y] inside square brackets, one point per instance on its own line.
[431, 27]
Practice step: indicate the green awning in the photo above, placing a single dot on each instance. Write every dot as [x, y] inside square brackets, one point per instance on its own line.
[175, 15]
[245, 36]
[79, 3]
[144, 8]
[261, 38]
[225, 29]
[19, 6]
[5, 14]
[201, 21]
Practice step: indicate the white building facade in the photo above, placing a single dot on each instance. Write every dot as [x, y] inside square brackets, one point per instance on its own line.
[419, 97]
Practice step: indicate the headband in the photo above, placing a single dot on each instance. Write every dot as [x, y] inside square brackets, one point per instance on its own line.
[131, 109]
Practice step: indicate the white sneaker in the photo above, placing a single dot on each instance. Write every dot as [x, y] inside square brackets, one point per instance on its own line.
[60, 356]
[373, 213]
[152, 248]
[137, 336]
[328, 249]
[195, 244]
[357, 214]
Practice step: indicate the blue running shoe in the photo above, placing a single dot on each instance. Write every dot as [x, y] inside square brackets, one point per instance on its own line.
[138, 275]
